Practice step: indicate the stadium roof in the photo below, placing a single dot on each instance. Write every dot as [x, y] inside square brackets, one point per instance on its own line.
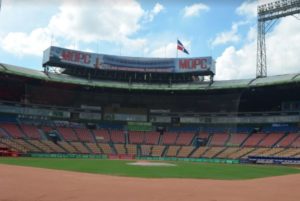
[229, 84]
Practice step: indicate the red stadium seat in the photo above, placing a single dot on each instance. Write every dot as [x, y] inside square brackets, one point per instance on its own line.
[12, 129]
[288, 140]
[31, 131]
[270, 140]
[169, 138]
[117, 136]
[102, 135]
[67, 133]
[237, 139]
[84, 135]
[136, 137]
[219, 139]
[254, 139]
[151, 137]
[185, 138]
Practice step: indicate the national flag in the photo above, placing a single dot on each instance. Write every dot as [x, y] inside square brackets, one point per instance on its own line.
[181, 47]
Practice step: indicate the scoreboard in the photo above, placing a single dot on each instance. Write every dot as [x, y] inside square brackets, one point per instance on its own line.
[66, 58]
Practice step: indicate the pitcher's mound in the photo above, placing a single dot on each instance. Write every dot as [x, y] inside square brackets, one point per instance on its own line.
[147, 163]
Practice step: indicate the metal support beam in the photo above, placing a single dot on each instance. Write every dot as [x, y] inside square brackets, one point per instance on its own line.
[269, 12]
[261, 70]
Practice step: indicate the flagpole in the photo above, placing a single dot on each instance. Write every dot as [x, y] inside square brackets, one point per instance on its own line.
[177, 48]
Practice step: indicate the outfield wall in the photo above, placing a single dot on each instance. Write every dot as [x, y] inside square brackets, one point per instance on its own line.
[203, 160]
[91, 156]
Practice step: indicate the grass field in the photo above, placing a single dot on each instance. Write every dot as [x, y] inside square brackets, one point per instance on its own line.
[181, 170]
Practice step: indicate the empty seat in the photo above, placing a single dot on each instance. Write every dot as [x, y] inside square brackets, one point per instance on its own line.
[120, 148]
[256, 152]
[169, 138]
[241, 152]
[105, 148]
[185, 138]
[157, 150]
[270, 140]
[94, 148]
[254, 139]
[199, 152]
[12, 129]
[212, 152]
[31, 131]
[288, 140]
[236, 139]
[117, 136]
[80, 147]
[227, 152]
[102, 135]
[185, 151]
[67, 147]
[136, 137]
[146, 149]
[131, 149]
[84, 135]
[296, 143]
[219, 139]
[67, 133]
[151, 137]
[172, 151]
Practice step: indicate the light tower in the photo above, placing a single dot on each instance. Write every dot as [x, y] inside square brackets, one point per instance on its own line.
[267, 14]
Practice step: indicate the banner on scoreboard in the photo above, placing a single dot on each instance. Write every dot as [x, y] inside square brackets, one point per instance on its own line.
[66, 58]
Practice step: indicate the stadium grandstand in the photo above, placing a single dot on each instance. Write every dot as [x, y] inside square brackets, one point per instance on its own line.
[126, 107]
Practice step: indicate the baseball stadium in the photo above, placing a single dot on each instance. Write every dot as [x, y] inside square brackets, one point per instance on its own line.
[96, 126]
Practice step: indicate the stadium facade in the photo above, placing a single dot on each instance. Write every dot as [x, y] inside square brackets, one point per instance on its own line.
[146, 107]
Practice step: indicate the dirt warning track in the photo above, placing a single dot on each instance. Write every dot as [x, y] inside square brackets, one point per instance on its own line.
[36, 184]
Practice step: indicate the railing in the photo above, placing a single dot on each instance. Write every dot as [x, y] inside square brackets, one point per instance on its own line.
[67, 113]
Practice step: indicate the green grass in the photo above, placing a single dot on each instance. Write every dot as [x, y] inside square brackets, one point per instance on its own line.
[181, 170]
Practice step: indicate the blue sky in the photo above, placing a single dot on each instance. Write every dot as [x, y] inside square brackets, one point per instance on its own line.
[224, 29]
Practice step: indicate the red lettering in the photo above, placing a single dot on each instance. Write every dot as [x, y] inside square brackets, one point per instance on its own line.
[204, 64]
[86, 58]
[184, 63]
[196, 63]
[193, 63]
[66, 55]
[76, 57]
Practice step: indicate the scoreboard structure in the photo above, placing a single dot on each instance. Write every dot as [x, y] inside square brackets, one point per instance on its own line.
[68, 59]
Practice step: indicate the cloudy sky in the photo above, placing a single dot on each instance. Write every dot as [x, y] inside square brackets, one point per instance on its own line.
[224, 29]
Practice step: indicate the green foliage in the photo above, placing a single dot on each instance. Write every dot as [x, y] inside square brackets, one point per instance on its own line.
[181, 170]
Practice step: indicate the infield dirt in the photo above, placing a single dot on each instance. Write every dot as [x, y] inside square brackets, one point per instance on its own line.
[36, 184]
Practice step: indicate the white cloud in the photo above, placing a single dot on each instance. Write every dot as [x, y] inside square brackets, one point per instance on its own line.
[169, 50]
[20, 43]
[236, 63]
[283, 48]
[227, 36]
[103, 20]
[149, 16]
[248, 9]
[252, 34]
[157, 8]
[133, 44]
[194, 10]
[82, 22]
